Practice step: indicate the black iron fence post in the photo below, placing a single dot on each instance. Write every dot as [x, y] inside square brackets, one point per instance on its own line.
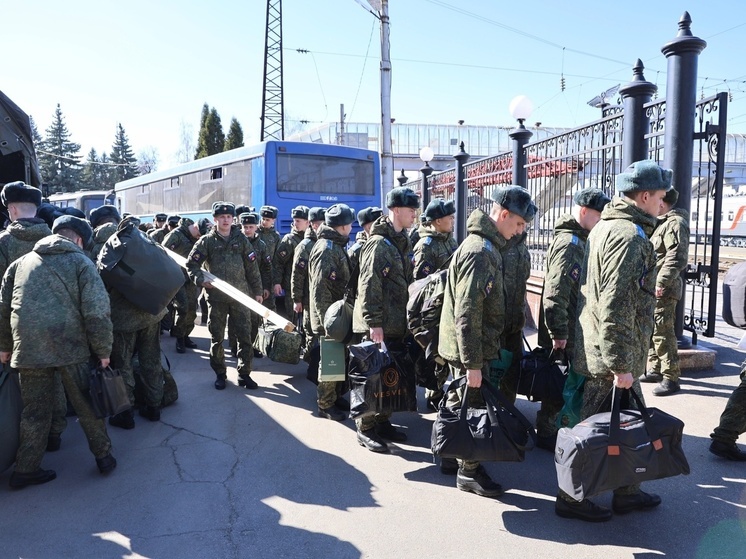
[681, 97]
[426, 171]
[461, 193]
[402, 178]
[636, 123]
[520, 136]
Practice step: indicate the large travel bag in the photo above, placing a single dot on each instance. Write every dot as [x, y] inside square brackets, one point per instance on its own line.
[11, 406]
[279, 345]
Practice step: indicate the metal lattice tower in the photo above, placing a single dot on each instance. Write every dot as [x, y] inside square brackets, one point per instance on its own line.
[273, 125]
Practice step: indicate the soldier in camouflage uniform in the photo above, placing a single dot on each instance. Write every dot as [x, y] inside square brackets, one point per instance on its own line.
[299, 291]
[474, 309]
[271, 238]
[161, 228]
[671, 243]
[365, 219]
[282, 261]
[249, 223]
[559, 298]
[226, 253]
[104, 221]
[329, 273]
[181, 240]
[382, 295]
[615, 308]
[53, 308]
[732, 424]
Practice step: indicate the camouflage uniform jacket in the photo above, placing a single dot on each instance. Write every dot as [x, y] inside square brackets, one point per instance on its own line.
[432, 251]
[562, 270]
[516, 271]
[158, 235]
[329, 272]
[299, 274]
[180, 240]
[671, 244]
[270, 237]
[265, 262]
[283, 258]
[100, 235]
[474, 304]
[617, 293]
[19, 239]
[231, 259]
[383, 284]
[354, 251]
[53, 307]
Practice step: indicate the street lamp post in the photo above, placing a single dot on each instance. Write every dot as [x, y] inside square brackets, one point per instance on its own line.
[521, 108]
[426, 154]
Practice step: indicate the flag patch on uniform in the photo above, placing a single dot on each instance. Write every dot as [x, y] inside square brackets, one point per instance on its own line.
[489, 285]
[252, 256]
[386, 269]
[283, 253]
[301, 263]
[333, 275]
[197, 256]
[575, 272]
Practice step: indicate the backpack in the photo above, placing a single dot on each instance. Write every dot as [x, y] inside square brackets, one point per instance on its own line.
[424, 308]
[734, 296]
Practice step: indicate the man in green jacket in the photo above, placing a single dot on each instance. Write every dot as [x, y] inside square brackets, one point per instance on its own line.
[615, 308]
[671, 243]
[382, 294]
[270, 237]
[473, 313]
[282, 261]
[54, 295]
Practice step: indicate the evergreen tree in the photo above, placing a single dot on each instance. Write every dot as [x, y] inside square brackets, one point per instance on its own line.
[211, 136]
[35, 136]
[235, 136]
[60, 164]
[97, 174]
[123, 156]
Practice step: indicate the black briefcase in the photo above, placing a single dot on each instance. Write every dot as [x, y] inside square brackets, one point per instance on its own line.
[618, 448]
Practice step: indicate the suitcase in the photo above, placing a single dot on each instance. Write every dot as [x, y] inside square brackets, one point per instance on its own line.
[619, 448]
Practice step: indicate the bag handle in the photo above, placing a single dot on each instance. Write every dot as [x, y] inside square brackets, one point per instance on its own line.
[615, 421]
[554, 354]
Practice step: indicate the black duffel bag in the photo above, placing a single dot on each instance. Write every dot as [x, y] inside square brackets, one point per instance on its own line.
[381, 380]
[496, 433]
[108, 392]
[597, 455]
[543, 374]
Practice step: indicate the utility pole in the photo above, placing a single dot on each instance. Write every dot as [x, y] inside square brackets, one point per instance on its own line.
[341, 139]
[273, 106]
[387, 158]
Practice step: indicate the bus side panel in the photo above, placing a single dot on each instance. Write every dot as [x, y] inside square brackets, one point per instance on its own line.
[258, 181]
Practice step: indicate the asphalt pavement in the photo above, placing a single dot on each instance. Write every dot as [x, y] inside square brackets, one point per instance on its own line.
[254, 474]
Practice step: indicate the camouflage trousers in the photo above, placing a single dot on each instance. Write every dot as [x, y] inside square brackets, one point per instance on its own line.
[597, 399]
[239, 324]
[474, 400]
[512, 342]
[38, 393]
[663, 356]
[328, 392]
[733, 419]
[146, 343]
[185, 304]
[441, 375]
[546, 417]
[59, 414]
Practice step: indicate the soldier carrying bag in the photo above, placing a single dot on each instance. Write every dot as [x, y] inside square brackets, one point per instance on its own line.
[543, 374]
[619, 448]
[11, 406]
[108, 392]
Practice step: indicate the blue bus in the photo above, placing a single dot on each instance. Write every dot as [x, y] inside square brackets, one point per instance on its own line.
[275, 173]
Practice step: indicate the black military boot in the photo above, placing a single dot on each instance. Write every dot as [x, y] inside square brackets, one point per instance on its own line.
[729, 451]
[19, 481]
[220, 382]
[151, 413]
[180, 346]
[247, 382]
[124, 420]
[370, 440]
[53, 443]
[189, 343]
[106, 464]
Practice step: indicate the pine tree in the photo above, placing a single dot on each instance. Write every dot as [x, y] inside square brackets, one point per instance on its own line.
[60, 164]
[97, 175]
[211, 136]
[35, 136]
[235, 136]
[123, 156]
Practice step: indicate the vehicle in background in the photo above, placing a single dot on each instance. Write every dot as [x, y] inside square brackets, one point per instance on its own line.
[84, 200]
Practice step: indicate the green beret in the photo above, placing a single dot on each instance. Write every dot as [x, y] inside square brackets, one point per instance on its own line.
[643, 175]
[269, 211]
[248, 218]
[79, 226]
[593, 198]
[671, 197]
[299, 212]
[515, 199]
[98, 215]
[223, 208]
[368, 215]
[402, 197]
[339, 215]
[18, 192]
[439, 208]
[316, 214]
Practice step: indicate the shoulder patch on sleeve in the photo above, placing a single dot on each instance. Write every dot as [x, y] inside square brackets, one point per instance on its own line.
[301, 263]
[575, 240]
[487, 244]
[251, 256]
[641, 232]
[329, 244]
[575, 272]
[426, 269]
[283, 253]
[489, 285]
[386, 269]
[332, 275]
[427, 240]
[197, 256]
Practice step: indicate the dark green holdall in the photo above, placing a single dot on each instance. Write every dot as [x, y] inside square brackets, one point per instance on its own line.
[11, 406]
[279, 345]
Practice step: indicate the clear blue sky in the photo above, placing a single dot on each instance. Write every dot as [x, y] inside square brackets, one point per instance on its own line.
[151, 65]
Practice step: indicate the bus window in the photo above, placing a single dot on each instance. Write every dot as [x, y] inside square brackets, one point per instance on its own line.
[216, 173]
[324, 175]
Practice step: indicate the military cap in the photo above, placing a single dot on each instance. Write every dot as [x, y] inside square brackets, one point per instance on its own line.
[299, 212]
[48, 213]
[439, 208]
[19, 192]
[515, 199]
[316, 214]
[173, 220]
[339, 215]
[269, 211]
[223, 208]
[98, 215]
[593, 198]
[76, 224]
[248, 218]
[73, 211]
[160, 217]
[644, 175]
[241, 209]
[671, 197]
[402, 197]
[368, 215]
[204, 225]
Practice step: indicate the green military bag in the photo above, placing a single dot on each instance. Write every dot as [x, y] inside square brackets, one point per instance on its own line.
[11, 406]
[278, 345]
